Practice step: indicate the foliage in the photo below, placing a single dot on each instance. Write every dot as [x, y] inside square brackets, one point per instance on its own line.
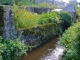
[44, 31]
[71, 40]
[28, 2]
[6, 2]
[77, 12]
[2, 48]
[45, 18]
[23, 18]
[44, 5]
[65, 19]
[10, 2]
[12, 50]
[49, 31]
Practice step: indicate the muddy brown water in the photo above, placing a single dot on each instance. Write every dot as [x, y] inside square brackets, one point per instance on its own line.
[41, 52]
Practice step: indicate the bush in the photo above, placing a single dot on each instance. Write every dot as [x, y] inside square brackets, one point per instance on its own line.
[23, 18]
[2, 48]
[66, 20]
[12, 50]
[45, 18]
[44, 5]
[71, 40]
[6, 2]
[10, 2]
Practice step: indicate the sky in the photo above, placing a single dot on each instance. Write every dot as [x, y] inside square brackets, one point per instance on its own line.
[78, 0]
[68, 1]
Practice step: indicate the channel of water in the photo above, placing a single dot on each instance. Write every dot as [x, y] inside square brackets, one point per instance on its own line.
[48, 51]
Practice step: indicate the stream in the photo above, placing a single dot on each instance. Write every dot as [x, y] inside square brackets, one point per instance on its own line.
[48, 51]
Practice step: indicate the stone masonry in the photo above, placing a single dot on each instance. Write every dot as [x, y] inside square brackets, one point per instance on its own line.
[9, 27]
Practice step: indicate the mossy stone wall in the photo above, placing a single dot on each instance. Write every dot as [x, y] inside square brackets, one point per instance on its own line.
[1, 20]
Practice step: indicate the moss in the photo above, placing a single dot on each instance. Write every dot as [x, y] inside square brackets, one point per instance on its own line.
[1, 16]
[25, 33]
[46, 32]
[1, 19]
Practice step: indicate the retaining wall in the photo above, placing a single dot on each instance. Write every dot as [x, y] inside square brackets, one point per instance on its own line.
[34, 37]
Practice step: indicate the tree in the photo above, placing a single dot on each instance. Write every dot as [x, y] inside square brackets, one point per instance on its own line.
[8, 2]
[77, 12]
[65, 19]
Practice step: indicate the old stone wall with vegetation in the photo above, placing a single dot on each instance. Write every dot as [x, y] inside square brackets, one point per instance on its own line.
[24, 24]
[9, 26]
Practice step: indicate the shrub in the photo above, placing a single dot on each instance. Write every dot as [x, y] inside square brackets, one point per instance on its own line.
[6, 2]
[45, 18]
[71, 40]
[44, 5]
[23, 18]
[12, 50]
[9, 2]
[65, 19]
[2, 48]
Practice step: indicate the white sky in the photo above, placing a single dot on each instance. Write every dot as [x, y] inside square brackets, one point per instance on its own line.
[68, 1]
[78, 0]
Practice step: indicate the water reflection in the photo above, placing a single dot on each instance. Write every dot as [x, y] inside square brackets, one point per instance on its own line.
[54, 54]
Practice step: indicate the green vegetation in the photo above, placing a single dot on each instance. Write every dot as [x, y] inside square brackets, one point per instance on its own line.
[27, 3]
[51, 17]
[46, 31]
[48, 23]
[71, 40]
[65, 19]
[10, 2]
[12, 49]
[77, 12]
[45, 5]
[25, 19]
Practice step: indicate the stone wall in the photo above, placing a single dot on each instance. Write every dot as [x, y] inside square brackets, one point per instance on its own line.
[8, 27]
[41, 10]
[38, 10]
[29, 37]
[8, 31]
